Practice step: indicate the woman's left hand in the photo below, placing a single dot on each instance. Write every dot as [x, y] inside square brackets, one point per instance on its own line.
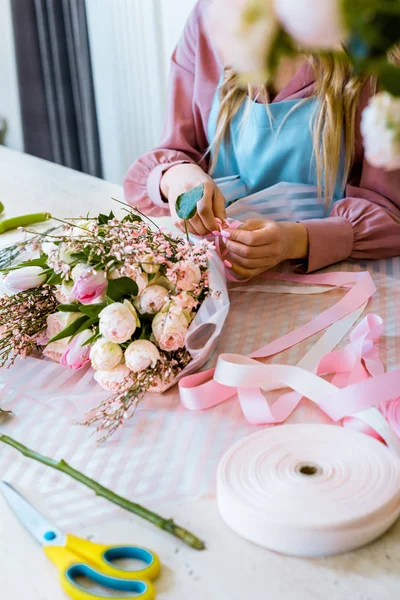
[261, 244]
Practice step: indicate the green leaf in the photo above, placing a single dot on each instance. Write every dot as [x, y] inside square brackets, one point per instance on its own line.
[35, 262]
[92, 339]
[70, 330]
[186, 204]
[92, 310]
[68, 308]
[86, 325]
[389, 78]
[54, 279]
[118, 289]
[104, 219]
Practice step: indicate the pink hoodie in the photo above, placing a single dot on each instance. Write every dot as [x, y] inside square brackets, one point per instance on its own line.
[365, 224]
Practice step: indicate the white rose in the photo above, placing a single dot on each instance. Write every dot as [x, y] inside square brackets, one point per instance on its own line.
[63, 293]
[79, 271]
[313, 24]
[115, 380]
[243, 34]
[189, 276]
[140, 355]
[169, 330]
[105, 355]
[152, 299]
[118, 322]
[58, 321]
[185, 301]
[149, 265]
[380, 127]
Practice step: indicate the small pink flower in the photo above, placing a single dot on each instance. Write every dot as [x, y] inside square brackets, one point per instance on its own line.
[391, 412]
[89, 284]
[76, 355]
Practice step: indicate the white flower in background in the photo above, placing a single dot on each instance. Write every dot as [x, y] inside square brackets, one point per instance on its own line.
[65, 255]
[115, 380]
[380, 127]
[169, 330]
[49, 247]
[140, 355]
[189, 276]
[105, 355]
[23, 279]
[313, 24]
[243, 32]
[64, 294]
[118, 322]
[152, 299]
[149, 265]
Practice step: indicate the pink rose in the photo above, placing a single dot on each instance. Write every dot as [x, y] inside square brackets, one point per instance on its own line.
[56, 350]
[391, 412]
[312, 24]
[116, 380]
[152, 300]
[89, 284]
[189, 276]
[56, 322]
[169, 330]
[76, 355]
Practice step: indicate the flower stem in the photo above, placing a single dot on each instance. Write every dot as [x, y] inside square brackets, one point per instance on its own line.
[22, 221]
[166, 524]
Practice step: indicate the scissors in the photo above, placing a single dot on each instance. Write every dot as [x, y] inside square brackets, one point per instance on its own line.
[76, 557]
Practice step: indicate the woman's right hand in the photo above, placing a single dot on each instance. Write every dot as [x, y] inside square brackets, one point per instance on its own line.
[184, 177]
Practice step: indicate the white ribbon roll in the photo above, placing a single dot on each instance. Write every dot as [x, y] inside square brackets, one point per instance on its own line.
[309, 491]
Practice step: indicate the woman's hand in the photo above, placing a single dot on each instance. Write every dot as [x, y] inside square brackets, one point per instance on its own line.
[184, 177]
[259, 245]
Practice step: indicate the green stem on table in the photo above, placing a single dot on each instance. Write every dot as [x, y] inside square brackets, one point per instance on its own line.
[165, 524]
[1, 208]
[23, 221]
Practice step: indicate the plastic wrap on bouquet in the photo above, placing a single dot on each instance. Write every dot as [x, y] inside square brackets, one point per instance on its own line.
[207, 325]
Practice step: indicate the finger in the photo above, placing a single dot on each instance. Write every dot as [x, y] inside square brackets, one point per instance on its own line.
[205, 209]
[255, 233]
[250, 263]
[197, 225]
[244, 273]
[219, 204]
[251, 252]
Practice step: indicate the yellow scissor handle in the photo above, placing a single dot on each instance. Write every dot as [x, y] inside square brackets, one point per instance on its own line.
[83, 558]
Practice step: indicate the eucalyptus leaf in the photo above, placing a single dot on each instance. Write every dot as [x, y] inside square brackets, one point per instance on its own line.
[118, 289]
[186, 204]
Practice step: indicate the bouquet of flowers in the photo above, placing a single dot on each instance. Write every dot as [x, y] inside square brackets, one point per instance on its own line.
[120, 295]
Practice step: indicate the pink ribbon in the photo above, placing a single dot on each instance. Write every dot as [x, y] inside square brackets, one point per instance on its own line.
[358, 381]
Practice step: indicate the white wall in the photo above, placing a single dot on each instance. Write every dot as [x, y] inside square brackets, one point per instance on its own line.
[9, 98]
[131, 42]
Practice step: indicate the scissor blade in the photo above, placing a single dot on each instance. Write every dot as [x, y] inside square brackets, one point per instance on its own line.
[41, 529]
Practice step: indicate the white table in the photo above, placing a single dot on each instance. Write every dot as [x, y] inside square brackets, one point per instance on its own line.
[230, 569]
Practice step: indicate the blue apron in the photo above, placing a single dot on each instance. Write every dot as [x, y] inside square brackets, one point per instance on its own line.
[265, 150]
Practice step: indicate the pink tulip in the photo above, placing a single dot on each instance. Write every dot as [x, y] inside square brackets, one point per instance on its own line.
[76, 355]
[313, 24]
[23, 279]
[89, 285]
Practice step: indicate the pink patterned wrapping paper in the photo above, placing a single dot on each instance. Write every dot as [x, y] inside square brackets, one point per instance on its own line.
[165, 453]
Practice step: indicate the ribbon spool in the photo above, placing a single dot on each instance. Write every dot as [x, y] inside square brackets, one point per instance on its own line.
[309, 491]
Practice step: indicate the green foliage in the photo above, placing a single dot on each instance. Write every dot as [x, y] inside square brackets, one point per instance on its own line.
[71, 330]
[118, 289]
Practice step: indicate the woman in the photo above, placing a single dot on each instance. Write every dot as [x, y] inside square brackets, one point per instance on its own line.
[309, 133]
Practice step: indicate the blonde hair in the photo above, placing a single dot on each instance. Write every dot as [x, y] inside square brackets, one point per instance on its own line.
[337, 89]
